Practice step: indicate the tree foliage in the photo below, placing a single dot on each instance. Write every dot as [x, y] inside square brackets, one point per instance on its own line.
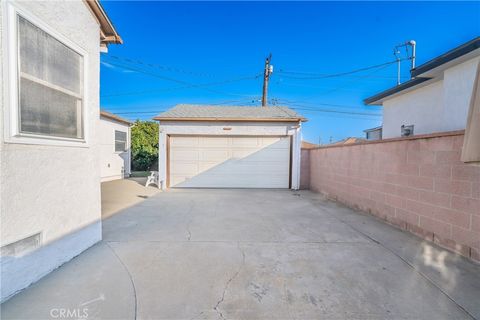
[144, 145]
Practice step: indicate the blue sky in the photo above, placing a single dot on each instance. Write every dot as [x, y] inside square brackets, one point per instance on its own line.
[214, 52]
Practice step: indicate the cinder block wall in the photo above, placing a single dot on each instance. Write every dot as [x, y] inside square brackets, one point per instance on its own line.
[418, 184]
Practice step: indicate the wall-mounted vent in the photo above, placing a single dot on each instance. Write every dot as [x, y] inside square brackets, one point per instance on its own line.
[407, 130]
[22, 246]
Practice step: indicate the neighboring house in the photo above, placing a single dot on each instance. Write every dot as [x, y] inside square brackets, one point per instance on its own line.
[114, 139]
[373, 133]
[437, 97]
[50, 179]
[349, 140]
[309, 145]
[229, 147]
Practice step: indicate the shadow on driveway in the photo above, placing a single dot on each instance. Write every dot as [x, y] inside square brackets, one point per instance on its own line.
[254, 254]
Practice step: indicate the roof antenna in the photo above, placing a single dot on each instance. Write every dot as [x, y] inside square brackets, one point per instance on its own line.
[396, 52]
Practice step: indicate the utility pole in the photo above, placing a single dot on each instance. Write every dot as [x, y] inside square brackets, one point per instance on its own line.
[266, 76]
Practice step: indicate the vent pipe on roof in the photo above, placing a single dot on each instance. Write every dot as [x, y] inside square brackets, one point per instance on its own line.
[411, 57]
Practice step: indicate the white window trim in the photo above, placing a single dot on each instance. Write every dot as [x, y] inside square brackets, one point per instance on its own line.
[12, 133]
[115, 141]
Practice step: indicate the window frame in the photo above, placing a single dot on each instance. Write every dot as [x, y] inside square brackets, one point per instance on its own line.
[115, 141]
[11, 88]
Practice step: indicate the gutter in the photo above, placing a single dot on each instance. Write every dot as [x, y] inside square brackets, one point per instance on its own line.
[108, 33]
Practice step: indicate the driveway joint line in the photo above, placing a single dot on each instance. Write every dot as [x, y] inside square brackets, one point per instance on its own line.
[129, 275]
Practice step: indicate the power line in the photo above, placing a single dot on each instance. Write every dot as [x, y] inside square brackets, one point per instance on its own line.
[179, 88]
[160, 66]
[187, 84]
[294, 108]
[312, 76]
[317, 103]
[336, 111]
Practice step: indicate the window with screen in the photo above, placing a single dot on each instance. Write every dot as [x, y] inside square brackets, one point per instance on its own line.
[50, 82]
[120, 141]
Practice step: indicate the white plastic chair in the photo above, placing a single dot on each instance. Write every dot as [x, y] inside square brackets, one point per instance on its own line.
[152, 178]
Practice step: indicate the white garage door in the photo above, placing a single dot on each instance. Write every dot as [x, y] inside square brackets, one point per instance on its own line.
[229, 162]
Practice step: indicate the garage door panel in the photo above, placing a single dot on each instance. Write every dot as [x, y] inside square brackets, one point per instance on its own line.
[184, 155]
[275, 142]
[230, 162]
[246, 142]
[185, 168]
[268, 156]
[204, 166]
[184, 142]
[214, 155]
[214, 142]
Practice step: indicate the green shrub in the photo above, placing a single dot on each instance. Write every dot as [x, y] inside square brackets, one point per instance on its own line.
[144, 145]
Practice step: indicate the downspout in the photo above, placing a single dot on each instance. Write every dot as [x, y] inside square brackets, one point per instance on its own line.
[296, 159]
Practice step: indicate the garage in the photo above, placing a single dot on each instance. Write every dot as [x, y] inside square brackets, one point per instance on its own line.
[229, 147]
[229, 162]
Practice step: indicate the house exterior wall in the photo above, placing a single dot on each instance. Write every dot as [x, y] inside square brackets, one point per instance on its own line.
[458, 87]
[418, 184]
[46, 189]
[422, 107]
[437, 107]
[113, 165]
[230, 129]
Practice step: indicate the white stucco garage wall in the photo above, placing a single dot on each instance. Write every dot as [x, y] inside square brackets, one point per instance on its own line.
[47, 189]
[113, 165]
[436, 107]
[230, 129]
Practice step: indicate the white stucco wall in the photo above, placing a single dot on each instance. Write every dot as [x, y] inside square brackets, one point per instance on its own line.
[47, 189]
[458, 87]
[113, 165]
[439, 106]
[422, 107]
[235, 129]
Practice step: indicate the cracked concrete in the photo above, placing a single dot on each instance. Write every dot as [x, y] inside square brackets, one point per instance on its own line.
[219, 302]
[254, 254]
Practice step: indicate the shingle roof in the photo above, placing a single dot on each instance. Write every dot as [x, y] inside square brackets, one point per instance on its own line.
[184, 112]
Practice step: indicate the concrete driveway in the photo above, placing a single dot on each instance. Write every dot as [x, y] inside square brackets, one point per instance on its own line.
[253, 254]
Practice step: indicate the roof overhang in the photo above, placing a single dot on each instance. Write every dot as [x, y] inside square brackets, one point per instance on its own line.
[113, 117]
[410, 85]
[430, 71]
[373, 129]
[165, 119]
[108, 33]
[453, 57]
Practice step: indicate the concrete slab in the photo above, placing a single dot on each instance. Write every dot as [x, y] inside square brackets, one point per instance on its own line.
[254, 254]
[124, 193]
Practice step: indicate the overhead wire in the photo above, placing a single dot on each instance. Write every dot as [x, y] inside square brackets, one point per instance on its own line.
[160, 66]
[305, 106]
[340, 74]
[185, 83]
